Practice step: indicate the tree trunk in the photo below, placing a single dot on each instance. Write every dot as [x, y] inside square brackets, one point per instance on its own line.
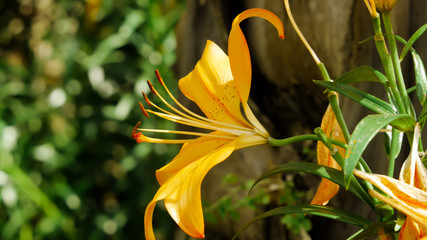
[283, 95]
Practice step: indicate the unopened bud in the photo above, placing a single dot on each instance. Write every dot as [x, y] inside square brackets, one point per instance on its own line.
[385, 5]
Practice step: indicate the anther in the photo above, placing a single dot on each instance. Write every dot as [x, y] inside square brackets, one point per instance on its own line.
[135, 129]
[146, 99]
[159, 78]
[151, 87]
[143, 110]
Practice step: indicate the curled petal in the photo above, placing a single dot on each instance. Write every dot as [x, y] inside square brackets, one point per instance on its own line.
[238, 50]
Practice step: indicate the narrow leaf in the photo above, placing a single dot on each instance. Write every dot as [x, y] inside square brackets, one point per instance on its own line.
[362, 135]
[367, 100]
[329, 173]
[362, 74]
[373, 230]
[423, 115]
[324, 211]
[420, 77]
[412, 40]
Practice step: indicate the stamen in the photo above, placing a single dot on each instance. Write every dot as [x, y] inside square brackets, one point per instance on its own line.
[159, 78]
[187, 133]
[195, 115]
[146, 99]
[143, 110]
[200, 124]
[139, 137]
[135, 129]
[152, 88]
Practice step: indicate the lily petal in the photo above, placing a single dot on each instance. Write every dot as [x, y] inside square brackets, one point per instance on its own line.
[403, 197]
[212, 87]
[413, 171]
[412, 230]
[327, 189]
[238, 50]
[182, 194]
[189, 153]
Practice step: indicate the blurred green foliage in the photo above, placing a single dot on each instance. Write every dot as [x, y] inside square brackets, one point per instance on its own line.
[71, 74]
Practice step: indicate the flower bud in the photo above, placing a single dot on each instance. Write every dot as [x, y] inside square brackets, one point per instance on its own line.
[385, 5]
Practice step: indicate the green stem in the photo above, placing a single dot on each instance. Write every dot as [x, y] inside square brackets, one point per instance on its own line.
[324, 72]
[364, 166]
[282, 142]
[286, 141]
[396, 62]
[333, 101]
[387, 64]
[393, 151]
[340, 160]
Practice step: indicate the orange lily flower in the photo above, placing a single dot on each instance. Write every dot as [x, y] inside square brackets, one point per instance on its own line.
[414, 173]
[408, 194]
[220, 86]
[385, 5]
[328, 189]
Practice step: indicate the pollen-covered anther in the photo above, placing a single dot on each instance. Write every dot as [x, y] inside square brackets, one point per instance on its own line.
[146, 99]
[143, 110]
[159, 78]
[137, 135]
[151, 87]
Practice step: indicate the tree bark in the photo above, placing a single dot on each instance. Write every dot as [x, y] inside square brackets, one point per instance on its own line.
[283, 95]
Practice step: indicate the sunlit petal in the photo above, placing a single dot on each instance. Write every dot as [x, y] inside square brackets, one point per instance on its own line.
[403, 197]
[238, 50]
[212, 87]
[189, 153]
[413, 171]
[412, 230]
[182, 194]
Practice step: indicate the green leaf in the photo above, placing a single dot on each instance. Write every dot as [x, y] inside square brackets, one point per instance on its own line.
[367, 128]
[324, 211]
[412, 40]
[367, 100]
[373, 230]
[362, 74]
[329, 173]
[423, 115]
[420, 77]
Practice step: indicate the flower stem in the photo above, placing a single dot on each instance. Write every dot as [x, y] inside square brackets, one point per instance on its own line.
[395, 144]
[286, 141]
[333, 101]
[396, 63]
[387, 64]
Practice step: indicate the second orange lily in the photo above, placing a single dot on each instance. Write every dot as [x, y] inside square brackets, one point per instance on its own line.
[408, 194]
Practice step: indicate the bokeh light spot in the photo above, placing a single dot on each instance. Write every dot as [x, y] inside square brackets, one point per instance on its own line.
[57, 97]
